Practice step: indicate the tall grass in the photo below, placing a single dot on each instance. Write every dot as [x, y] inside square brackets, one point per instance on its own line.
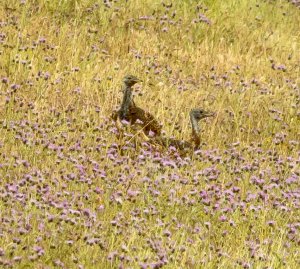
[71, 199]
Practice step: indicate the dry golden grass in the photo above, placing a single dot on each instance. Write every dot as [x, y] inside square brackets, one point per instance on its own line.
[61, 70]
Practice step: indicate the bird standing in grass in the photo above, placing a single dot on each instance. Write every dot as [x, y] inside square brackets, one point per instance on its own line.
[196, 115]
[133, 114]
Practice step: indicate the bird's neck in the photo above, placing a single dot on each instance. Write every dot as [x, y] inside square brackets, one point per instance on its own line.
[195, 132]
[127, 94]
[126, 102]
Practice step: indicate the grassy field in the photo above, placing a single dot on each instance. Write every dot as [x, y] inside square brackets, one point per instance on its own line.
[71, 198]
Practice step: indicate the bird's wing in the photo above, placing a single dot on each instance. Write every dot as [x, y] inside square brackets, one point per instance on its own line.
[148, 121]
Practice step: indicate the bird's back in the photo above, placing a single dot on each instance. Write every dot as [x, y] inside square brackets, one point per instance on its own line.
[145, 118]
[167, 142]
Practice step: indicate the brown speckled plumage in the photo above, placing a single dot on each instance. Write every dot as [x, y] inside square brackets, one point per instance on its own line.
[195, 116]
[134, 114]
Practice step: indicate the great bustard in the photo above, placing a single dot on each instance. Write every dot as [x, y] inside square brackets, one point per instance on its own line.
[134, 114]
[196, 115]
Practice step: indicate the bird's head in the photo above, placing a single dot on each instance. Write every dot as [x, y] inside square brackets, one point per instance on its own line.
[130, 80]
[199, 114]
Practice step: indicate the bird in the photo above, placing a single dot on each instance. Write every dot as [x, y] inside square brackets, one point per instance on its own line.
[196, 115]
[133, 114]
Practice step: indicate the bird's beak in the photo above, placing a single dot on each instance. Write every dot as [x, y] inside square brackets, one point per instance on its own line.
[210, 114]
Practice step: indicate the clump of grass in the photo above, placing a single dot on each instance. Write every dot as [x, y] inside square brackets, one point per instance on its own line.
[75, 194]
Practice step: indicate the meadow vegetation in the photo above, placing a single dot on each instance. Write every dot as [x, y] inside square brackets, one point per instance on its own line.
[74, 194]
